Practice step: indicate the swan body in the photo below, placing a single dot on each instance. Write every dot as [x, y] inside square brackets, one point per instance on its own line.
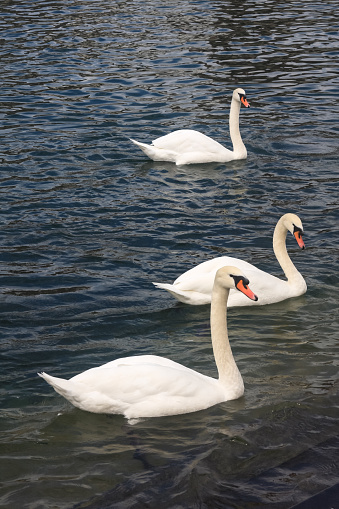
[195, 286]
[152, 386]
[187, 146]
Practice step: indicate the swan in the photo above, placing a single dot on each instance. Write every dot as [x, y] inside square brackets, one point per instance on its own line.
[195, 286]
[152, 386]
[187, 146]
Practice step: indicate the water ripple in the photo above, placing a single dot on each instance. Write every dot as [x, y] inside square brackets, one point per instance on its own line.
[88, 223]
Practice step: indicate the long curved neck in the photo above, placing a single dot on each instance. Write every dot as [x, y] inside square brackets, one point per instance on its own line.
[280, 251]
[227, 368]
[239, 148]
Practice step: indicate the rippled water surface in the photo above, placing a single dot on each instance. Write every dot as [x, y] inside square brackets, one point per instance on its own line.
[88, 222]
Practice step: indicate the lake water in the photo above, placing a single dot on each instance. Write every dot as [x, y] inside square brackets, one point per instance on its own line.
[88, 222]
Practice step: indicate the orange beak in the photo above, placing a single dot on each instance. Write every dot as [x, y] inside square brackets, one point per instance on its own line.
[299, 239]
[243, 288]
[245, 101]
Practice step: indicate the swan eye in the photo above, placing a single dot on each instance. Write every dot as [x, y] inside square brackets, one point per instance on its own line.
[237, 279]
[297, 231]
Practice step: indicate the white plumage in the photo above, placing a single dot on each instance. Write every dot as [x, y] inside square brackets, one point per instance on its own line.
[195, 286]
[152, 386]
[187, 146]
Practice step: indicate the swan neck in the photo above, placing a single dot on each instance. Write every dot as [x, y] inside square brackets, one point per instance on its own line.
[280, 251]
[227, 368]
[239, 148]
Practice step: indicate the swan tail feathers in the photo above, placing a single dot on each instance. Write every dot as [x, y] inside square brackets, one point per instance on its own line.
[170, 288]
[155, 153]
[187, 297]
[149, 150]
[143, 146]
[60, 385]
[163, 286]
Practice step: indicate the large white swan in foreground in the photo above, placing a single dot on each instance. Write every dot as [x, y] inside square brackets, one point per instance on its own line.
[152, 386]
[195, 285]
[187, 146]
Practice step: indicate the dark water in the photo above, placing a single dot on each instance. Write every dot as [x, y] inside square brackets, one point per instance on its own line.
[88, 222]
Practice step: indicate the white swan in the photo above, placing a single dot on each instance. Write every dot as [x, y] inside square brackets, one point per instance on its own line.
[195, 285]
[187, 146]
[152, 386]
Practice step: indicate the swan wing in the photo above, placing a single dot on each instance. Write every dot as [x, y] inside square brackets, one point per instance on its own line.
[155, 153]
[210, 267]
[195, 286]
[268, 288]
[188, 141]
[144, 386]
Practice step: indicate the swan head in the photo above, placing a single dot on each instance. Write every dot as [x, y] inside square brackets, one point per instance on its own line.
[232, 278]
[294, 225]
[239, 95]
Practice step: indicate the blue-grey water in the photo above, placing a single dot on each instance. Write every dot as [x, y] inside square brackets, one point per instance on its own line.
[88, 222]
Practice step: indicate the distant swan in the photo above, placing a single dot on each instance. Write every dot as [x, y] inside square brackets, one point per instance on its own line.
[195, 285]
[187, 146]
[152, 386]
